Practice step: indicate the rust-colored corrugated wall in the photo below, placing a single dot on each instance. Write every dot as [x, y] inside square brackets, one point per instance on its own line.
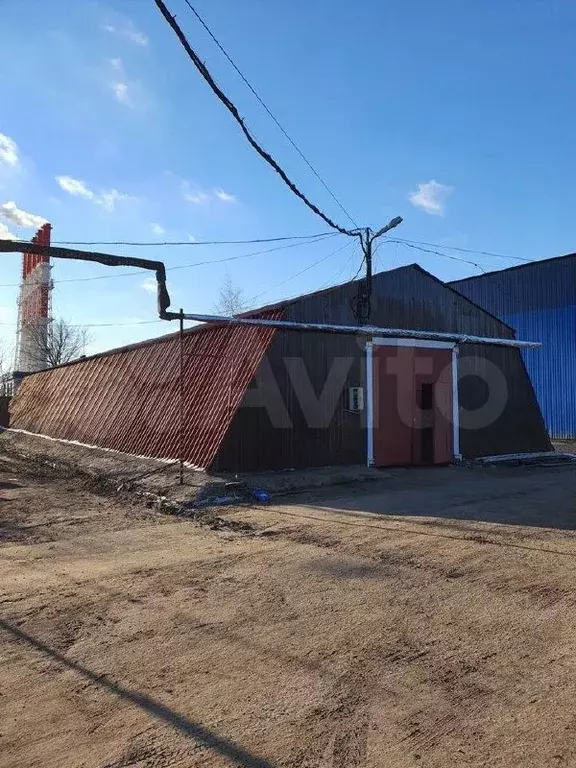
[128, 400]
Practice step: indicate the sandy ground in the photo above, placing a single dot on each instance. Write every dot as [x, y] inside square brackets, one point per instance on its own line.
[438, 632]
[162, 477]
[569, 446]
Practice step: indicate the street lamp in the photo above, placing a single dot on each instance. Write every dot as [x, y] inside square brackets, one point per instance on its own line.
[364, 300]
[391, 224]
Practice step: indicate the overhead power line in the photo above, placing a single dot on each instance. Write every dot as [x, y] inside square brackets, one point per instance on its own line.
[334, 279]
[190, 242]
[104, 325]
[302, 271]
[355, 277]
[399, 240]
[269, 111]
[111, 275]
[248, 255]
[201, 67]
[352, 279]
[462, 250]
[113, 325]
[439, 253]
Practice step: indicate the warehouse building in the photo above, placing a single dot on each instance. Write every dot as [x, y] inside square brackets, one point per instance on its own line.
[539, 301]
[267, 398]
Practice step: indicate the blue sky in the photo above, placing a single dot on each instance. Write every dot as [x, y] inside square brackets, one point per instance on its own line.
[458, 116]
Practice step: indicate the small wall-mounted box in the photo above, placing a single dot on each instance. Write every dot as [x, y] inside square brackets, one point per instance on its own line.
[356, 399]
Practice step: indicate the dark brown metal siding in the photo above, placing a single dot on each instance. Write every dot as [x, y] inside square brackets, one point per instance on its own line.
[519, 428]
[129, 400]
[254, 442]
[405, 298]
[409, 298]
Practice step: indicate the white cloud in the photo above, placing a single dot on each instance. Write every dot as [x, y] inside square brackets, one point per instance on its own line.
[107, 198]
[126, 91]
[5, 233]
[431, 197]
[8, 150]
[149, 285]
[135, 36]
[157, 229]
[129, 31]
[20, 218]
[224, 196]
[75, 187]
[121, 94]
[198, 196]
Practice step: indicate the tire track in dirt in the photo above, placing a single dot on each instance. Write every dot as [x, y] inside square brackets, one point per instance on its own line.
[347, 708]
[344, 743]
[153, 749]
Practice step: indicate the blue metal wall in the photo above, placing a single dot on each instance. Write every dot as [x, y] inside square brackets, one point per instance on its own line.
[539, 301]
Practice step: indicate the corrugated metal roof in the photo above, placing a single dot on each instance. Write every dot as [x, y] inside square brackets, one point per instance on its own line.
[408, 298]
[539, 300]
[551, 260]
[128, 400]
[400, 276]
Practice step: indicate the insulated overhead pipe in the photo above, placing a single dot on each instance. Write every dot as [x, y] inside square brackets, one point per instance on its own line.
[109, 260]
[361, 330]
[8, 246]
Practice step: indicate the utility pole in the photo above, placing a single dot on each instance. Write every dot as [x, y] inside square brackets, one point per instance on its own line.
[181, 397]
[364, 298]
[366, 241]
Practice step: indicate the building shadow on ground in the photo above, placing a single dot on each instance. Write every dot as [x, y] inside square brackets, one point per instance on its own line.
[542, 497]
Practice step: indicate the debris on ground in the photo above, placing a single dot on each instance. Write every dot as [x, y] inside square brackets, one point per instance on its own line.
[543, 459]
[223, 494]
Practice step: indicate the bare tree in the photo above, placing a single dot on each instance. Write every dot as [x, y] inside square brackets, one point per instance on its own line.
[6, 356]
[6, 368]
[231, 300]
[4, 363]
[60, 343]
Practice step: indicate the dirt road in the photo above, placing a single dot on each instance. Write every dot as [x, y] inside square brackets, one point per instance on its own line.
[320, 639]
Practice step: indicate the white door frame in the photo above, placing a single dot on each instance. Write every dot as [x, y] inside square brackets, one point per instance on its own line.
[419, 343]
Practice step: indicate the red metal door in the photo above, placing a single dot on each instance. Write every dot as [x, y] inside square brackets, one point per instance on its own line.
[394, 397]
[432, 433]
[412, 405]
